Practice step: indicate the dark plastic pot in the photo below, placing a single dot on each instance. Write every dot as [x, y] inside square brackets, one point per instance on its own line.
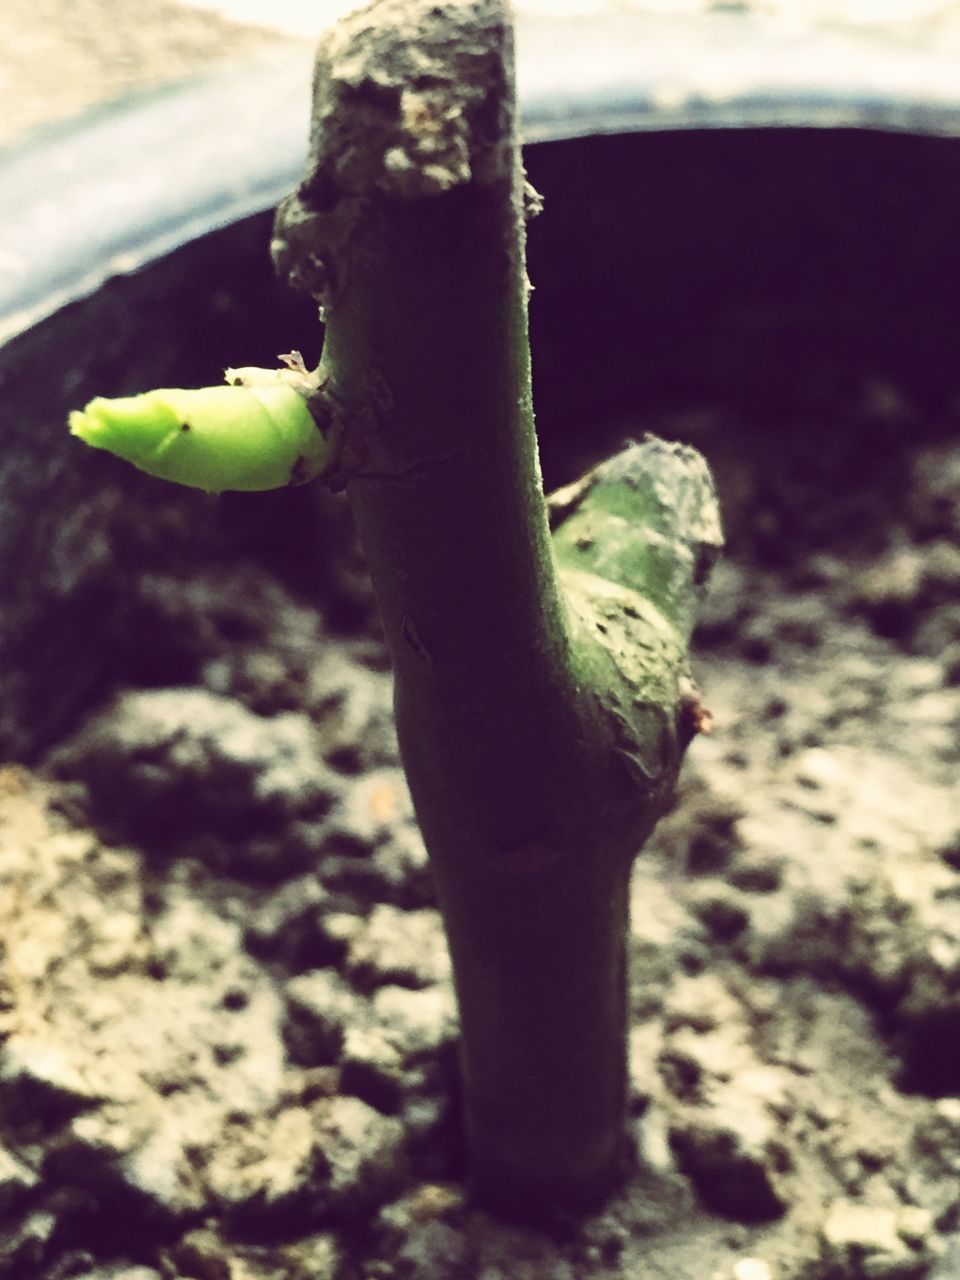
[707, 235]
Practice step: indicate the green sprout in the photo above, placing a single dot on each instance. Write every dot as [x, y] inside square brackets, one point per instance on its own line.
[258, 432]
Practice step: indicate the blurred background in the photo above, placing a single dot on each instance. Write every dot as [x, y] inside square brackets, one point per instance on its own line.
[59, 57]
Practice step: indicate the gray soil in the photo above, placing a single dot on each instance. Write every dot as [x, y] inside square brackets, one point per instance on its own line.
[229, 1028]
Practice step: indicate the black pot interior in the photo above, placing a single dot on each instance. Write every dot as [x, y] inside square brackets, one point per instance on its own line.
[785, 299]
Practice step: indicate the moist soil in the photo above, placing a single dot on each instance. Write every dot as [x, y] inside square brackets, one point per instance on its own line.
[229, 1033]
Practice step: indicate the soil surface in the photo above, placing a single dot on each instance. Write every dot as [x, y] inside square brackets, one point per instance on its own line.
[229, 1033]
[229, 1028]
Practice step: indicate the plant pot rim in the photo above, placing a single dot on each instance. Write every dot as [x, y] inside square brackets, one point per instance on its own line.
[129, 182]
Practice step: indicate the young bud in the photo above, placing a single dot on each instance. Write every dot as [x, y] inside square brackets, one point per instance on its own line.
[244, 437]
